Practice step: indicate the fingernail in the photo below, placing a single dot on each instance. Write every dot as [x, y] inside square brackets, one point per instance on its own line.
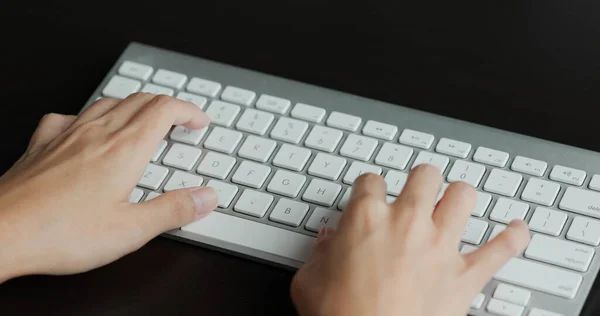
[205, 200]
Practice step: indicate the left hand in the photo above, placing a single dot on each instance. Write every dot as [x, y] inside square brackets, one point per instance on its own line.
[64, 205]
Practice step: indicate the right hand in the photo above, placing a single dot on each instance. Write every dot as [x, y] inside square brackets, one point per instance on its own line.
[401, 258]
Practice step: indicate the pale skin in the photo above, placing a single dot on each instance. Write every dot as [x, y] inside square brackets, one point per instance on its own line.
[64, 209]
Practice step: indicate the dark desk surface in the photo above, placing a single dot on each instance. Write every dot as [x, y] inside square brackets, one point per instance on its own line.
[532, 69]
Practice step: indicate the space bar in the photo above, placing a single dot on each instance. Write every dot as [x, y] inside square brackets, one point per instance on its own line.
[257, 236]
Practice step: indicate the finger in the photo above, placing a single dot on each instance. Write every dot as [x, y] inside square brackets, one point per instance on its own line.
[483, 263]
[420, 191]
[50, 126]
[122, 113]
[367, 205]
[135, 105]
[323, 244]
[454, 209]
[154, 120]
[174, 209]
[368, 185]
[96, 110]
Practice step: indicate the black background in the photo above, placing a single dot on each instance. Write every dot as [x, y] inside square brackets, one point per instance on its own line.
[530, 67]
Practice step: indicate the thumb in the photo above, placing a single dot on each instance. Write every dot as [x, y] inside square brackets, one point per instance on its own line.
[324, 239]
[176, 208]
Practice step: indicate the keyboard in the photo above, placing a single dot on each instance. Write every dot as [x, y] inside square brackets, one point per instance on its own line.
[283, 155]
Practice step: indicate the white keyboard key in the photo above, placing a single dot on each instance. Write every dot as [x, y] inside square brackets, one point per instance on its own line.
[540, 277]
[289, 212]
[547, 221]
[474, 231]
[585, 230]
[308, 113]
[291, 245]
[394, 156]
[136, 195]
[529, 166]
[439, 161]
[567, 175]
[541, 312]
[257, 148]
[483, 201]
[358, 147]
[512, 294]
[416, 138]
[581, 201]
[216, 165]
[162, 145]
[255, 122]
[540, 191]
[503, 182]
[156, 89]
[467, 249]
[223, 140]
[204, 87]
[321, 217]
[238, 95]
[358, 168]
[253, 203]
[322, 192]
[498, 228]
[560, 252]
[327, 166]
[380, 130]
[222, 113]
[291, 157]
[273, 104]
[286, 183]
[323, 138]
[182, 156]
[491, 157]
[478, 301]
[345, 199]
[120, 87]
[225, 192]
[465, 171]
[182, 180]
[251, 174]
[395, 182]
[153, 176]
[152, 195]
[135, 70]
[595, 183]
[169, 78]
[502, 308]
[188, 136]
[507, 210]
[289, 130]
[344, 121]
[192, 98]
[453, 147]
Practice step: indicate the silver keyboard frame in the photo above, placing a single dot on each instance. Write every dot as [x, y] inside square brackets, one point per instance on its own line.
[369, 109]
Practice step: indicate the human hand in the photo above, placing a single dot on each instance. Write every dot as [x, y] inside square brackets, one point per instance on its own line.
[401, 258]
[64, 205]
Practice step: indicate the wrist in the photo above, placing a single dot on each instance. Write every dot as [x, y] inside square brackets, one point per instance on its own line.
[12, 263]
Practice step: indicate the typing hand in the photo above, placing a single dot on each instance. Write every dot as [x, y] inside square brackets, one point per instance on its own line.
[64, 205]
[401, 258]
